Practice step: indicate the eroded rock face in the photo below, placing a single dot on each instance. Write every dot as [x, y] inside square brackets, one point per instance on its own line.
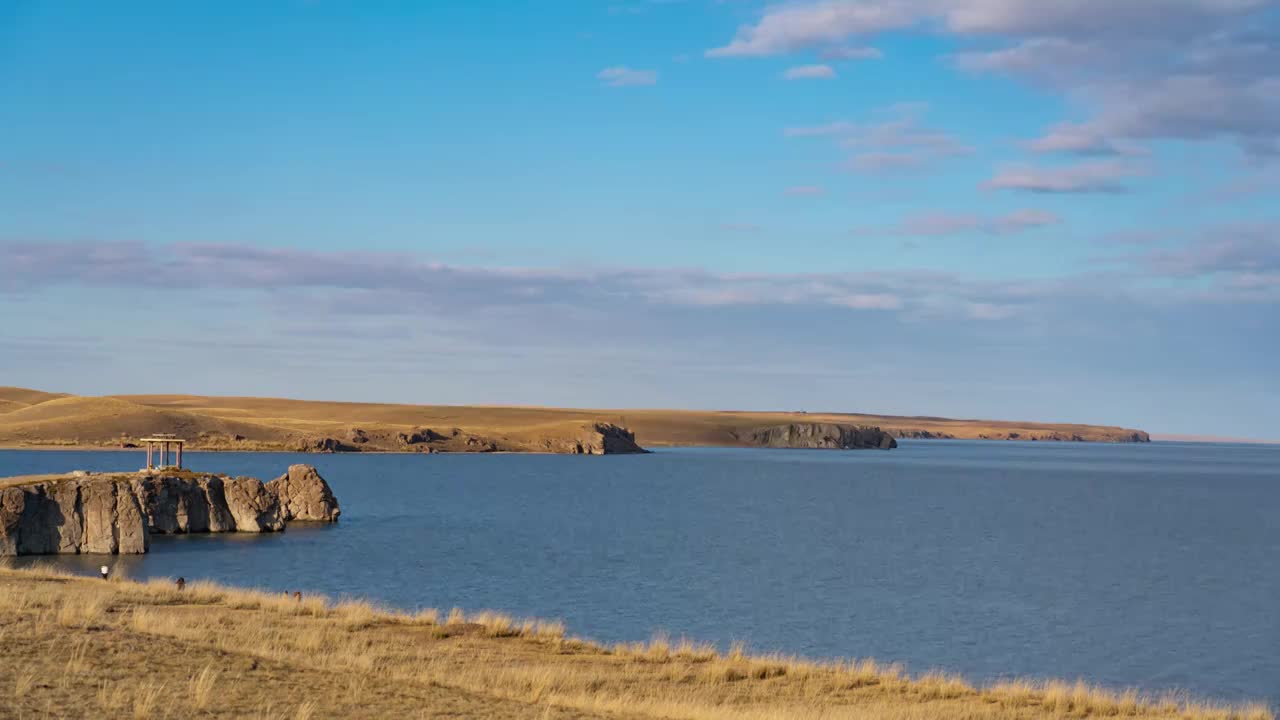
[12, 502]
[820, 436]
[72, 516]
[116, 514]
[596, 438]
[304, 495]
[609, 439]
[176, 504]
[252, 506]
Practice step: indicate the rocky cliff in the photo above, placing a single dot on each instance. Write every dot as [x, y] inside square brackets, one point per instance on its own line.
[117, 513]
[304, 495]
[828, 436]
[593, 439]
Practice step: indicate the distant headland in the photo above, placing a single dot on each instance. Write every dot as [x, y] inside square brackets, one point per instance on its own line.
[36, 419]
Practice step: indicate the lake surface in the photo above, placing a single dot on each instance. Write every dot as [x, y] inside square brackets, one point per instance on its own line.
[1151, 565]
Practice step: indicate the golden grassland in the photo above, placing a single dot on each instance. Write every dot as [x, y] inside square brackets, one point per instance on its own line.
[32, 418]
[83, 647]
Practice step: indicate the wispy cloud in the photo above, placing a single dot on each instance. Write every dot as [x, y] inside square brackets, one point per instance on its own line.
[809, 72]
[804, 190]
[851, 53]
[942, 224]
[1199, 70]
[901, 142]
[390, 283]
[1245, 252]
[622, 76]
[1082, 140]
[1089, 177]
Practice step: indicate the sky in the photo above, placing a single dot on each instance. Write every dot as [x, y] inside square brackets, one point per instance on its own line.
[1010, 209]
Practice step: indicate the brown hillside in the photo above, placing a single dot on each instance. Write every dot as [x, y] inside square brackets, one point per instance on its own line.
[10, 406]
[271, 423]
[652, 427]
[24, 396]
[105, 420]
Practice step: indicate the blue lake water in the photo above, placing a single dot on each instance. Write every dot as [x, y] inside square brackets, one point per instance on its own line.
[1151, 565]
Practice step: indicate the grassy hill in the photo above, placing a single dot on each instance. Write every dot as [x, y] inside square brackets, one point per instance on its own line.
[33, 418]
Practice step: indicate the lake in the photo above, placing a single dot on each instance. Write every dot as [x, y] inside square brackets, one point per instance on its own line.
[1150, 565]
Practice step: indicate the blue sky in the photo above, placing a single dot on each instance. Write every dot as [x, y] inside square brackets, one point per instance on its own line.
[981, 208]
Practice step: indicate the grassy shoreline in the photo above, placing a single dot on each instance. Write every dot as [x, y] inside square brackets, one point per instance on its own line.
[82, 647]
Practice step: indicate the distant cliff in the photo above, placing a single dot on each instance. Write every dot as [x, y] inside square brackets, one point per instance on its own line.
[827, 436]
[117, 513]
[587, 438]
[1090, 434]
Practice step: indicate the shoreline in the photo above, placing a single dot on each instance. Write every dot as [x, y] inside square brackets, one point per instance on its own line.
[83, 447]
[340, 658]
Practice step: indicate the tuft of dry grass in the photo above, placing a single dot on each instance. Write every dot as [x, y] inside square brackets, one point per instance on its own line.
[495, 624]
[202, 685]
[82, 613]
[22, 684]
[426, 616]
[77, 663]
[111, 697]
[146, 696]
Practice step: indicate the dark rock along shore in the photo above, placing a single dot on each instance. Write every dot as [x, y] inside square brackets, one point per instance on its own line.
[116, 513]
[819, 436]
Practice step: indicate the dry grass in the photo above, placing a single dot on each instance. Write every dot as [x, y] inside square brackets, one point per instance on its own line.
[87, 648]
[202, 686]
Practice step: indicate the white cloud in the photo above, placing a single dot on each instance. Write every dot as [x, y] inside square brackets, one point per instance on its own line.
[851, 53]
[1082, 140]
[1189, 70]
[622, 76]
[939, 224]
[1089, 177]
[869, 301]
[902, 142]
[787, 28]
[809, 72]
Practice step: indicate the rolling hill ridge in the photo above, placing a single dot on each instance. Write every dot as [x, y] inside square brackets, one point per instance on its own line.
[31, 418]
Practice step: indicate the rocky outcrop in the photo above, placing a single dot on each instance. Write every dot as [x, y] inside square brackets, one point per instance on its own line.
[595, 438]
[922, 435]
[117, 514]
[321, 445]
[304, 495]
[420, 436]
[252, 506]
[75, 515]
[818, 435]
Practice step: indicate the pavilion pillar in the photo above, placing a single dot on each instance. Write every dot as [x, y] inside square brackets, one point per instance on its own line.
[148, 456]
[179, 456]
